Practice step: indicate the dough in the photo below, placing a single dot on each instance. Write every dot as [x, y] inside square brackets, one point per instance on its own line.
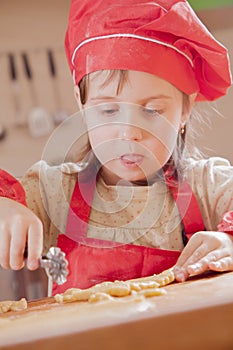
[145, 286]
[10, 305]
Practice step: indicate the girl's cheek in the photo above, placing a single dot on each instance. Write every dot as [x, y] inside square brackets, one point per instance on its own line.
[165, 138]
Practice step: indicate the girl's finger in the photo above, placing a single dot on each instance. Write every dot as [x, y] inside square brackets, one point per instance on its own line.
[224, 264]
[193, 254]
[216, 255]
[200, 244]
[194, 243]
[5, 248]
[35, 244]
[180, 274]
[198, 268]
[203, 264]
[17, 245]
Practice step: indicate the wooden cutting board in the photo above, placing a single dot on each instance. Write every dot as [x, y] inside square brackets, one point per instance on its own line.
[196, 314]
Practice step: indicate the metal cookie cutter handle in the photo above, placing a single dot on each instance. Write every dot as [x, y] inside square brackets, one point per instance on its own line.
[55, 265]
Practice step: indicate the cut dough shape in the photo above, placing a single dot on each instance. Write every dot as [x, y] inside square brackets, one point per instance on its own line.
[11, 305]
[145, 286]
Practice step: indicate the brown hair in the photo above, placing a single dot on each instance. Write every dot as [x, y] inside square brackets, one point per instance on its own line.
[121, 75]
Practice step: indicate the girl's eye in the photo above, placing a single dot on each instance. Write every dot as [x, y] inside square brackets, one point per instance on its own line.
[152, 111]
[109, 110]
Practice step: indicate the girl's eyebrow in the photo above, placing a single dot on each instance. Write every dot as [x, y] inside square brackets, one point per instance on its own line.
[156, 97]
[102, 98]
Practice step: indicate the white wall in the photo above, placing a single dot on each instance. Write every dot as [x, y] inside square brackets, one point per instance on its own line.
[217, 139]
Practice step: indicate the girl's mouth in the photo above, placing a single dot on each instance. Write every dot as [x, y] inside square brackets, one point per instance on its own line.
[131, 160]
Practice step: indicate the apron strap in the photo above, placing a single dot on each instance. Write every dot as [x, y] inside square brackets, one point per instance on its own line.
[187, 205]
[78, 215]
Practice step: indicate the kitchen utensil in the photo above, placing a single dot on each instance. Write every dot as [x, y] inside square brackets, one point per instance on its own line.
[55, 264]
[39, 120]
[19, 118]
[2, 132]
[60, 114]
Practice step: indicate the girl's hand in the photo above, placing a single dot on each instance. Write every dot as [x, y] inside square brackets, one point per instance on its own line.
[206, 250]
[18, 226]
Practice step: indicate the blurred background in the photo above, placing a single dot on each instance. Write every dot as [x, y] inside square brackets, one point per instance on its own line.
[36, 95]
[36, 89]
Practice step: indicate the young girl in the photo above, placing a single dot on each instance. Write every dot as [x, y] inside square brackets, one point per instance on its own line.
[137, 201]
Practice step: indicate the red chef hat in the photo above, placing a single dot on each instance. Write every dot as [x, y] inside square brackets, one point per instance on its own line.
[163, 37]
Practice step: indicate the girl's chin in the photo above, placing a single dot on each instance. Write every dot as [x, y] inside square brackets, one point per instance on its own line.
[112, 178]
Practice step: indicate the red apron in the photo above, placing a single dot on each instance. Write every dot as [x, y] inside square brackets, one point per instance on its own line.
[93, 261]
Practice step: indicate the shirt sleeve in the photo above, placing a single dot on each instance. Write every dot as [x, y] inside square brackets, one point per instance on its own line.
[11, 188]
[226, 225]
[212, 182]
[48, 192]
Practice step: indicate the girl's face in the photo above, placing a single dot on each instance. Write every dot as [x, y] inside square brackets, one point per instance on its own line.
[132, 132]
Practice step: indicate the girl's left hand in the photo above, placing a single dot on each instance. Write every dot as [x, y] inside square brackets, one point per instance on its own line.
[206, 250]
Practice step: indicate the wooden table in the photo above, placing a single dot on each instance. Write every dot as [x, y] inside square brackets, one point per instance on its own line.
[196, 314]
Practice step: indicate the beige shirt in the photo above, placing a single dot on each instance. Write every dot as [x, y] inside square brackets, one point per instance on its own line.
[142, 215]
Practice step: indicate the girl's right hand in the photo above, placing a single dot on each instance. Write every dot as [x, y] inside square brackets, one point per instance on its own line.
[19, 226]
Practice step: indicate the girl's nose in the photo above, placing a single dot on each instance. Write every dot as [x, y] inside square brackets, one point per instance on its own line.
[130, 132]
[130, 129]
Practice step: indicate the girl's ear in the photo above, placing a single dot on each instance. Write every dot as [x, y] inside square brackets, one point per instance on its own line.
[77, 97]
[188, 103]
